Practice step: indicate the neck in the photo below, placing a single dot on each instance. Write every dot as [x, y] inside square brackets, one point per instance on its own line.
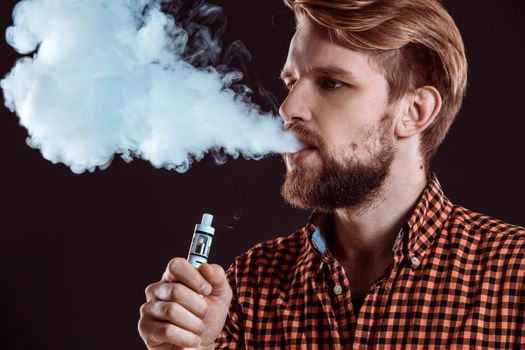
[365, 236]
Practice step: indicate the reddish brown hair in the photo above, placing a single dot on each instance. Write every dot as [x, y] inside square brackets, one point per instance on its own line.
[414, 42]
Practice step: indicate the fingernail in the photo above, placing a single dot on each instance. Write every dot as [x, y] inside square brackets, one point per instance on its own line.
[206, 289]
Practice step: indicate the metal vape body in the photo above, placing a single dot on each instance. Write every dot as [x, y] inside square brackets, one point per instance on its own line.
[201, 242]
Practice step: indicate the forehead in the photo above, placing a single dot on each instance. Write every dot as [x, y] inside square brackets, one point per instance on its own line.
[312, 47]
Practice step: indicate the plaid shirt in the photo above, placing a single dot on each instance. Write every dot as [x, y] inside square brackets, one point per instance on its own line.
[457, 281]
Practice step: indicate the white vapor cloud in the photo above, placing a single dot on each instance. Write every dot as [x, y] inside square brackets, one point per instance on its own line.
[107, 77]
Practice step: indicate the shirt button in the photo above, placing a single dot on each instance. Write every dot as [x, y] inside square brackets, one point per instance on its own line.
[415, 261]
[338, 289]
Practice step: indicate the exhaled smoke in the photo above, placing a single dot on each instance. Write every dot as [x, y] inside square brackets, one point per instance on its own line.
[114, 77]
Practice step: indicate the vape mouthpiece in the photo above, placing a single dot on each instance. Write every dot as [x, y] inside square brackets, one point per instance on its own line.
[201, 242]
[207, 219]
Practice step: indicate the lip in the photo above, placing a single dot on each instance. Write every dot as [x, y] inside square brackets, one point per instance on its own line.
[301, 154]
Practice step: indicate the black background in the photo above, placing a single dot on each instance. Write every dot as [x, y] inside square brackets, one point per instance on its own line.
[77, 251]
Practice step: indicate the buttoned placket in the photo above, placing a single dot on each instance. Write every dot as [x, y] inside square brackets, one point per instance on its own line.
[340, 285]
[340, 295]
[325, 270]
[379, 298]
[390, 278]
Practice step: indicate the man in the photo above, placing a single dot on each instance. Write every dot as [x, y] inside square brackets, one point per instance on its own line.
[386, 259]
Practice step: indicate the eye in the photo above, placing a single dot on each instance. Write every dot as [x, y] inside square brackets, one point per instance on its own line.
[329, 84]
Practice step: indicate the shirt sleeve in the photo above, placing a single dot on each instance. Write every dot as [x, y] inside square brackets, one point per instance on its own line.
[232, 334]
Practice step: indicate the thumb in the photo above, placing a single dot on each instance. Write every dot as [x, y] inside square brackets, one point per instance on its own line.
[216, 276]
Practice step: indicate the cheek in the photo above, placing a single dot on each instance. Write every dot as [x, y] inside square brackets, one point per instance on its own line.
[350, 128]
[356, 144]
[344, 139]
[347, 126]
[377, 138]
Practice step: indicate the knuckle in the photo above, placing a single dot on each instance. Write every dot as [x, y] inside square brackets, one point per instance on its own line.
[202, 328]
[149, 290]
[176, 291]
[140, 325]
[163, 309]
[185, 339]
[144, 308]
[144, 329]
[166, 331]
[193, 340]
[143, 333]
[203, 309]
[171, 311]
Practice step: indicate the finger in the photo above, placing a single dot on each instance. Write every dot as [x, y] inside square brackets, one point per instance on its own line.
[177, 292]
[216, 276]
[150, 290]
[155, 333]
[173, 313]
[180, 270]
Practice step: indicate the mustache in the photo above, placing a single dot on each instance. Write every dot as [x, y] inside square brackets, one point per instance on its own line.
[305, 136]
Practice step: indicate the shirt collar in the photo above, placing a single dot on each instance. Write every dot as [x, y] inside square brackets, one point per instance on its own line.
[420, 230]
[427, 220]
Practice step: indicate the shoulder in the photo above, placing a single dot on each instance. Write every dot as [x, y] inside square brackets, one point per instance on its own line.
[486, 235]
[476, 223]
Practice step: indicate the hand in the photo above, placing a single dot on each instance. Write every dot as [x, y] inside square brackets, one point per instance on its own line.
[186, 308]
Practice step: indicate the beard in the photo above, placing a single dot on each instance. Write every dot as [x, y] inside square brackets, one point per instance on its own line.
[350, 183]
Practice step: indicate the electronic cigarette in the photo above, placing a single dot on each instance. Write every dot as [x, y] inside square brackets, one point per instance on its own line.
[201, 242]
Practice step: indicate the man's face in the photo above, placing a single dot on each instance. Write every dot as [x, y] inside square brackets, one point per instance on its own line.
[338, 106]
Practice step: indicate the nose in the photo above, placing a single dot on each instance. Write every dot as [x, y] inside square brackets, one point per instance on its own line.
[296, 106]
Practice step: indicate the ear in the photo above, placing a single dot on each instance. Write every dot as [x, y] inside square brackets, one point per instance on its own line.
[419, 110]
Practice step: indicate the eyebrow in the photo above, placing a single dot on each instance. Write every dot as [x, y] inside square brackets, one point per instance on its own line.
[328, 70]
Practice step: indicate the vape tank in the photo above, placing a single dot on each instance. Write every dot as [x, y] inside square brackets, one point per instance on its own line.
[201, 242]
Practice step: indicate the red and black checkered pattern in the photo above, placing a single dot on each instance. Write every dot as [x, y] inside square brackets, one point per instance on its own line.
[457, 281]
